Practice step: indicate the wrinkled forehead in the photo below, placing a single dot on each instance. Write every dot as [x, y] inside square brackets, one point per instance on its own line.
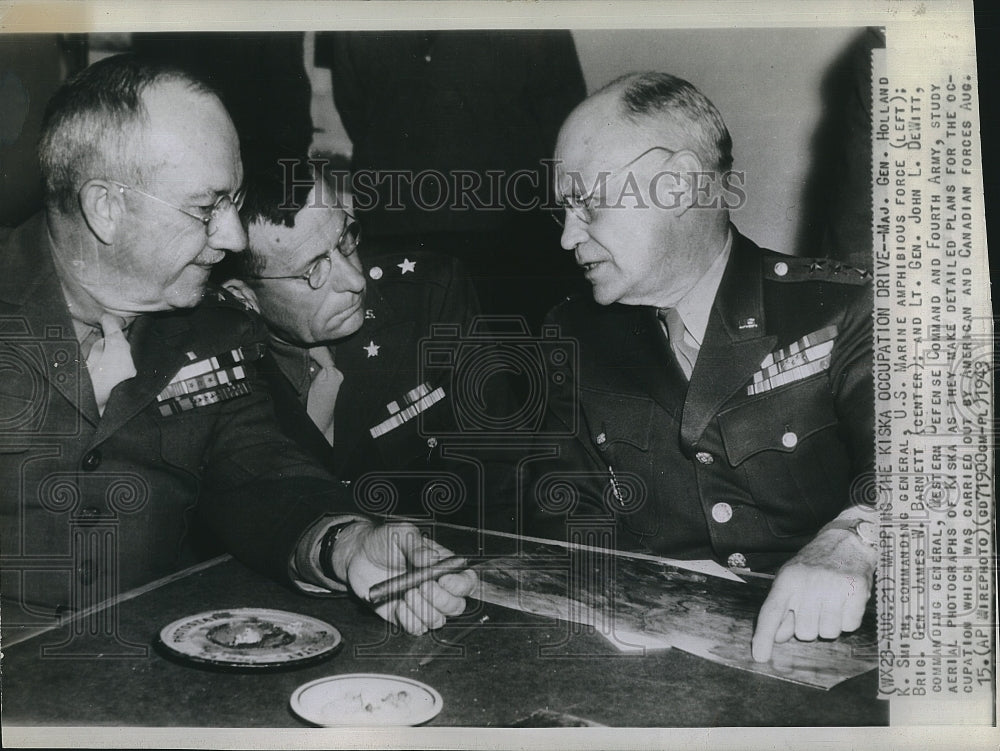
[317, 226]
[594, 139]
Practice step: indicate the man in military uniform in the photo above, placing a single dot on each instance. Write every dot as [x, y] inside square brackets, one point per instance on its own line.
[723, 406]
[133, 411]
[346, 342]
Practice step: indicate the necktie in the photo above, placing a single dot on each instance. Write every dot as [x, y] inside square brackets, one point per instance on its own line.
[110, 360]
[685, 351]
[323, 391]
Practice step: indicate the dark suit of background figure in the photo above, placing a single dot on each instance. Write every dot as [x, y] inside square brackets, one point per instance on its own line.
[381, 363]
[31, 68]
[260, 77]
[463, 101]
[64, 468]
[783, 462]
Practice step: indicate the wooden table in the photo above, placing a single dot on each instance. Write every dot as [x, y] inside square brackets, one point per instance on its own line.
[506, 670]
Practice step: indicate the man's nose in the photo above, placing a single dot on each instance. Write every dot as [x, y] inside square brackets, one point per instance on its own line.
[227, 232]
[346, 277]
[574, 232]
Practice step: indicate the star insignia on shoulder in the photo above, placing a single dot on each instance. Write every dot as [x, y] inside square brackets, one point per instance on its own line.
[372, 348]
[407, 266]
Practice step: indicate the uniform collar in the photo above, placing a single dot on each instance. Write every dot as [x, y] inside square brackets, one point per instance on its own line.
[695, 307]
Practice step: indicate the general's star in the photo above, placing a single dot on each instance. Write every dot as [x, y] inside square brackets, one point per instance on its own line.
[372, 349]
[407, 265]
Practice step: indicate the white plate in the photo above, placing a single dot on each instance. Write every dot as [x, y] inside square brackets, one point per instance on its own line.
[365, 699]
[250, 637]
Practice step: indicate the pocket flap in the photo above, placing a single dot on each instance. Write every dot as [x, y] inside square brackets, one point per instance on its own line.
[778, 421]
[614, 418]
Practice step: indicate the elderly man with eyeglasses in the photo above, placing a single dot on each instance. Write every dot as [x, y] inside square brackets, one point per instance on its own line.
[723, 407]
[346, 331]
[136, 426]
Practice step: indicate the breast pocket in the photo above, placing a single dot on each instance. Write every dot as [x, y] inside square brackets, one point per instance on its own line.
[619, 425]
[787, 446]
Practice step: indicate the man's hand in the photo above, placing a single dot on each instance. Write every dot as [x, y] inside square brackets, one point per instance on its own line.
[366, 554]
[822, 591]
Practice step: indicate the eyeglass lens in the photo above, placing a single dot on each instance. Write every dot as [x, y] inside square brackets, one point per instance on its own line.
[346, 246]
[221, 207]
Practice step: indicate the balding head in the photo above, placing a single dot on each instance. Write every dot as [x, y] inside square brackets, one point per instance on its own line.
[679, 112]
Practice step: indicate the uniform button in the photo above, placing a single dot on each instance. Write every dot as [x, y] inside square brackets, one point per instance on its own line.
[704, 457]
[789, 440]
[91, 460]
[781, 268]
[737, 560]
[375, 272]
[722, 512]
[432, 442]
[601, 439]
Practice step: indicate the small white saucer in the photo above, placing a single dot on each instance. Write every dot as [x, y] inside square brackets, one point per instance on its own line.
[366, 699]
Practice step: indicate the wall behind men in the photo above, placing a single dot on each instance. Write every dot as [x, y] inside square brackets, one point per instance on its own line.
[779, 91]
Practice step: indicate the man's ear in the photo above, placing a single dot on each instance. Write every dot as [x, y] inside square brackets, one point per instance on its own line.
[102, 206]
[697, 183]
[241, 290]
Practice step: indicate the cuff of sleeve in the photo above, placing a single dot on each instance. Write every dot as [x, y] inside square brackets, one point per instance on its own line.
[305, 568]
[859, 511]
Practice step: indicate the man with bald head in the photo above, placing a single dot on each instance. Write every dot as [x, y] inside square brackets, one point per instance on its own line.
[136, 427]
[723, 407]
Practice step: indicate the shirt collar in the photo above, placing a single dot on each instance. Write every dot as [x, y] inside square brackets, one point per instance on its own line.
[696, 305]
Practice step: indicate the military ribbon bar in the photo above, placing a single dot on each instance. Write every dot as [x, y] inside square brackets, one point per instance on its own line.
[204, 382]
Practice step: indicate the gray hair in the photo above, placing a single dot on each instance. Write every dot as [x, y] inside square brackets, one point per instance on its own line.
[92, 125]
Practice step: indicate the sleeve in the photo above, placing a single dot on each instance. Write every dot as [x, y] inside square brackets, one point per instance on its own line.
[260, 494]
[852, 382]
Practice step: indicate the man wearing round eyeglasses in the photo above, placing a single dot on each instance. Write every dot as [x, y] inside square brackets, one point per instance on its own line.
[724, 403]
[136, 427]
[346, 344]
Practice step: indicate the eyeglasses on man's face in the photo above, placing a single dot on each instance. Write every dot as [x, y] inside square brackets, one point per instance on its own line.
[207, 215]
[582, 206]
[318, 272]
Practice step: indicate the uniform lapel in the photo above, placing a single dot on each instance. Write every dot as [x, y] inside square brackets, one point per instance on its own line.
[636, 353]
[735, 341]
[158, 345]
[291, 412]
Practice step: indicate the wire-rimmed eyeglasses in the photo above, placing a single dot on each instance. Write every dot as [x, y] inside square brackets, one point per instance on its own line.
[207, 215]
[318, 272]
[582, 206]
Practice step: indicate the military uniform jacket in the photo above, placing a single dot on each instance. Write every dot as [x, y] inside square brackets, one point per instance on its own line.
[771, 438]
[394, 418]
[95, 504]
